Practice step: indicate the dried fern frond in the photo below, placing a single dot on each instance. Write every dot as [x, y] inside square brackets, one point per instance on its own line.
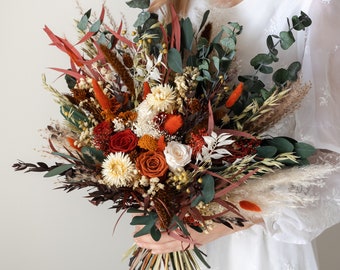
[277, 106]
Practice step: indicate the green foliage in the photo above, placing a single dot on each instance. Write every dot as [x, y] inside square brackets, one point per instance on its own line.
[254, 88]
[83, 23]
[187, 34]
[142, 18]
[208, 190]
[149, 222]
[92, 155]
[74, 116]
[304, 150]
[270, 148]
[175, 60]
[199, 255]
[142, 4]
[95, 26]
[71, 81]
[267, 151]
[65, 156]
[59, 170]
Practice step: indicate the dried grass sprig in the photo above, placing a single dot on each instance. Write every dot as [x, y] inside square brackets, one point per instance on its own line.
[276, 107]
[60, 98]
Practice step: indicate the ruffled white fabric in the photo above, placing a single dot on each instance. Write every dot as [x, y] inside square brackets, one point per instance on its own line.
[283, 241]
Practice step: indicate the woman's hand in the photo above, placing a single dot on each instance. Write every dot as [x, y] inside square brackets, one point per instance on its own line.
[168, 244]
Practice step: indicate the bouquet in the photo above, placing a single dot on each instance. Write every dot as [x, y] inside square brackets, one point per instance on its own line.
[160, 123]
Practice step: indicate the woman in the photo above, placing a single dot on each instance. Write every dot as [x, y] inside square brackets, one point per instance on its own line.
[282, 240]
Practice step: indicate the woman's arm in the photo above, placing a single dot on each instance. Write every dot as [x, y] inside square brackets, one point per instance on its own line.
[169, 244]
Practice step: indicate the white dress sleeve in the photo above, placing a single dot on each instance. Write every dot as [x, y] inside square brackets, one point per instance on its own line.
[317, 122]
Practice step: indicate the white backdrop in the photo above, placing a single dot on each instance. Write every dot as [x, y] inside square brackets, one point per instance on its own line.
[42, 228]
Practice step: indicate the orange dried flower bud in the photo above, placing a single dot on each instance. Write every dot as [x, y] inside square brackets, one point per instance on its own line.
[161, 144]
[100, 96]
[235, 95]
[71, 142]
[250, 206]
[173, 123]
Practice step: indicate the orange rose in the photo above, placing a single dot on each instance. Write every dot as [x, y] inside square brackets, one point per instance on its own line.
[152, 164]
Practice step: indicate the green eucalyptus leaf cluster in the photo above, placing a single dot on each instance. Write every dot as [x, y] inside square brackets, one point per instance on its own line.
[149, 225]
[273, 147]
[263, 63]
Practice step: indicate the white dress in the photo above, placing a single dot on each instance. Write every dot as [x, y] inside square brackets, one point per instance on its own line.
[284, 240]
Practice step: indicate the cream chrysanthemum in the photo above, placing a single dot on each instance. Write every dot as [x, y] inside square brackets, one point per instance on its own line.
[161, 98]
[118, 170]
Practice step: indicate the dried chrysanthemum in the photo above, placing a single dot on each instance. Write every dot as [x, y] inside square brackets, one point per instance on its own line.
[161, 98]
[118, 170]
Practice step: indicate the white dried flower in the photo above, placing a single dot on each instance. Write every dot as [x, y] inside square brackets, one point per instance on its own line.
[118, 170]
[161, 98]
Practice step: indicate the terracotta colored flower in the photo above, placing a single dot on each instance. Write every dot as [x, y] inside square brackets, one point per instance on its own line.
[123, 141]
[152, 164]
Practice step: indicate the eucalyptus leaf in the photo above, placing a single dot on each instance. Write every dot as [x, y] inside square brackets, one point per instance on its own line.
[237, 27]
[271, 46]
[304, 150]
[293, 70]
[266, 151]
[229, 43]
[145, 230]
[208, 188]
[180, 224]
[95, 27]
[286, 39]
[305, 19]
[142, 18]
[59, 170]
[281, 76]
[196, 200]
[216, 62]
[261, 59]
[204, 19]
[282, 144]
[82, 24]
[200, 256]
[135, 211]
[155, 233]
[175, 60]
[143, 220]
[187, 33]
[65, 156]
[297, 24]
[142, 4]
[265, 69]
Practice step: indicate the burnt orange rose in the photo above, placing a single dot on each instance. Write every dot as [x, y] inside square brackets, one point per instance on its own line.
[152, 164]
